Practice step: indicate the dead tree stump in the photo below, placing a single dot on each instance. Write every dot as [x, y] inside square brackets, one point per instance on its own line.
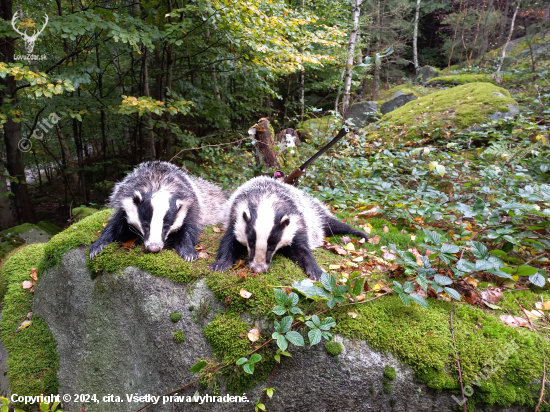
[265, 143]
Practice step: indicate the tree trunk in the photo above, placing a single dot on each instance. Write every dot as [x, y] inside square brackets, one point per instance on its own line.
[350, 55]
[502, 33]
[454, 38]
[497, 74]
[12, 130]
[149, 146]
[339, 90]
[77, 135]
[415, 36]
[8, 217]
[265, 142]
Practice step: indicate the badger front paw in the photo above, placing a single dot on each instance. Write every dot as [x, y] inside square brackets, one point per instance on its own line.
[220, 266]
[188, 254]
[95, 248]
[314, 273]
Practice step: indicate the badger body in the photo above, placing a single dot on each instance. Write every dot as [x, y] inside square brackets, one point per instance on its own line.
[265, 215]
[163, 205]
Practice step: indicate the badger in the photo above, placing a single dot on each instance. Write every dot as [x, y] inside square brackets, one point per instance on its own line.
[265, 215]
[163, 205]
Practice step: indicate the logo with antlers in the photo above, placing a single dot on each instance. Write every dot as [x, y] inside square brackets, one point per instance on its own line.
[29, 40]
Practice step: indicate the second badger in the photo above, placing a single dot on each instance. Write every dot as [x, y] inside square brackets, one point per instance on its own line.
[163, 205]
[266, 216]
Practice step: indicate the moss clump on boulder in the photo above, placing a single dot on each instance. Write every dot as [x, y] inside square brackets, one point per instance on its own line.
[459, 107]
[32, 356]
[175, 317]
[83, 212]
[334, 348]
[458, 79]
[388, 388]
[389, 372]
[179, 336]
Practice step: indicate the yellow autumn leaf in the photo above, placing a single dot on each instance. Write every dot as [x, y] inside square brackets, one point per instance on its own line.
[358, 259]
[24, 324]
[350, 246]
[334, 267]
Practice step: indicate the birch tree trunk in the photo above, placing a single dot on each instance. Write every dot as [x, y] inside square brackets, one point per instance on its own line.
[350, 55]
[498, 77]
[149, 144]
[415, 36]
[339, 90]
[459, 17]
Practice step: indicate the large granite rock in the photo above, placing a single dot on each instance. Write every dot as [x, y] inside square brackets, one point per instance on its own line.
[426, 73]
[396, 102]
[115, 337]
[363, 113]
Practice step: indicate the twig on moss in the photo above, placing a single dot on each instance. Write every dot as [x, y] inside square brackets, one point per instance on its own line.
[542, 388]
[458, 362]
[526, 315]
[353, 303]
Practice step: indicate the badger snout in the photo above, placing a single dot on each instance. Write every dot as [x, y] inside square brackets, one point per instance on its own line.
[153, 246]
[259, 267]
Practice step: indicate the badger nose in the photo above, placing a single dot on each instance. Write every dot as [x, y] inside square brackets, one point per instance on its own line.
[154, 247]
[259, 267]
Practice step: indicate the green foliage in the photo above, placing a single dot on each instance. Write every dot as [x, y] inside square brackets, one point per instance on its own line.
[389, 372]
[334, 348]
[179, 336]
[175, 317]
[388, 388]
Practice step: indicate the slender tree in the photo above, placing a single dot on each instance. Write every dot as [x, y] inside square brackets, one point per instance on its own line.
[415, 36]
[350, 55]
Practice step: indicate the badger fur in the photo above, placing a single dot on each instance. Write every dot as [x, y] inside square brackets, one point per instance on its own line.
[161, 204]
[265, 215]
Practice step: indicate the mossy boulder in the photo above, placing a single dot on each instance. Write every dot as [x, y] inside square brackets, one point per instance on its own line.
[458, 79]
[82, 212]
[459, 107]
[425, 73]
[14, 237]
[111, 322]
[362, 113]
[396, 102]
[319, 126]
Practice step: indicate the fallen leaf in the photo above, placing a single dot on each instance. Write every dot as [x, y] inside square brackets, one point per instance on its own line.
[389, 256]
[350, 246]
[245, 293]
[128, 244]
[216, 229]
[34, 274]
[239, 264]
[534, 314]
[362, 240]
[471, 281]
[203, 255]
[375, 211]
[23, 325]
[367, 228]
[490, 305]
[334, 267]
[413, 237]
[492, 295]
[82, 409]
[514, 321]
[254, 334]
[104, 224]
[360, 298]
[353, 314]
[29, 315]
[358, 259]
[374, 240]
[346, 239]
[543, 305]
[27, 284]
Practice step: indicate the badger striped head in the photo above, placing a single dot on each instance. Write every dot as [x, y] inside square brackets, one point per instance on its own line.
[264, 228]
[154, 215]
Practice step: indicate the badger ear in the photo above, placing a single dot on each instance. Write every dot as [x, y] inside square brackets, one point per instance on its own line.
[285, 221]
[137, 197]
[246, 217]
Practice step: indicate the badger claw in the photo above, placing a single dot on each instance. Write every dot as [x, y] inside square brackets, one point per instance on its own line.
[314, 273]
[95, 249]
[220, 266]
[189, 256]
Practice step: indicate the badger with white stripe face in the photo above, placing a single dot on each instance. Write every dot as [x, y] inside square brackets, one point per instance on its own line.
[265, 215]
[163, 205]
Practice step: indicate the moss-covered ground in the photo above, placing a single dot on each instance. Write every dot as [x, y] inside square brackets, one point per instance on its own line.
[32, 360]
[459, 107]
[418, 337]
[10, 240]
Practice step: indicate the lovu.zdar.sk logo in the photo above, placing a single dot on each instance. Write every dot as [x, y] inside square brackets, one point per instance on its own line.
[29, 39]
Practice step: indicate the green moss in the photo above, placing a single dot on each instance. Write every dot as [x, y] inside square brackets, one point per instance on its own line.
[457, 79]
[82, 212]
[25, 227]
[9, 243]
[49, 227]
[32, 357]
[82, 233]
[459, 107]
[389, 372]
[388, 388]
[413, 89]
[227, 334]
[175, 317]
[179, 336]
[334, 348]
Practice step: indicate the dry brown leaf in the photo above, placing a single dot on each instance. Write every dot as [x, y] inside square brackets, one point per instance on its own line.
[82, 408]
[34, 274]
[374, 240]
[389, 256]
[491, 295]
[542, 305]
[358, 259]
[29, 315]
[27, 284]
[353, 314]
[471, 281]
[534, 313]
[128, 244]
[216, 229]
[254, 334]
[245, 293]
[23, 325]
[386, 229]
[375, 211]
[346, 239]
[362, 240]
[239, 264]
[515, 321]
[360, 298]
[203, 255]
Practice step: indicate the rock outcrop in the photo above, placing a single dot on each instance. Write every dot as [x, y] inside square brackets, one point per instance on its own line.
[363, 113]
[399, 99]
